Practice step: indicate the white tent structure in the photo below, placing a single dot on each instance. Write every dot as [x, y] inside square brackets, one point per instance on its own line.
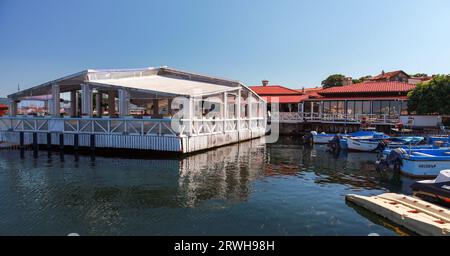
[144, 108]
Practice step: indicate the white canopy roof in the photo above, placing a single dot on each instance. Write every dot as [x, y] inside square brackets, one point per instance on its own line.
[169, 85]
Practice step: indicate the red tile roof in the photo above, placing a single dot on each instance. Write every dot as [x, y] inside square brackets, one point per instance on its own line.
[389, 97]
[370, 87]
[387, 75]
[273, 90]
[285, 98]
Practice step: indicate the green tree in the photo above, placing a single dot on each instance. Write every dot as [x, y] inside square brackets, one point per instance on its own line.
[333, 80]
[361, 79]
[419, 75]
[432, 97]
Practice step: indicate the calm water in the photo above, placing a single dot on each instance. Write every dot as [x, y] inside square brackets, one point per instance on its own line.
[245, 189]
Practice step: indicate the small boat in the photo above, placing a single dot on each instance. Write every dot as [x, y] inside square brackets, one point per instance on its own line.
[436, 191]
[417, 162]
[395, 142]
[365, 144]
[322, 138]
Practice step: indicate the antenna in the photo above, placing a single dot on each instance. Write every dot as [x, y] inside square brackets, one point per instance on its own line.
[18, 87]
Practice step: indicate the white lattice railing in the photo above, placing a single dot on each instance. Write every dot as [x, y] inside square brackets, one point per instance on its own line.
[128, 126]
[298, 117]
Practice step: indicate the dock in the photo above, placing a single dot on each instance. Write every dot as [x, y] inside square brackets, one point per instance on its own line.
[414, 214]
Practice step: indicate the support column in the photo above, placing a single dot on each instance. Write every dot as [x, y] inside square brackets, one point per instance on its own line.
[86, 102]
[312, 110]
[225, 110]
[56, 105]
[169, 106]
[12, 109]
[156, 107]
[73, 103]
[250, 110]
[98, 103]
[124, 100]
[112, 103]
[238, 110]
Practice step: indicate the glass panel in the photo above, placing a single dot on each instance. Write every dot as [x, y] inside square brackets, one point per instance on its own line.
[384, 107]
[341, 109]
[307, 107]
[366, 107]
[376, 105]
[351, 108]
[394, 108]
[326, 107]
[404, 110]
[333, 107]
[358, 107]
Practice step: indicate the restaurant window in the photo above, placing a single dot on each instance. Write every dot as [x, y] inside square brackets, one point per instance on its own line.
[351, 108]
[376, 107]
[340, 107]
[326, 107]
[307, 107]
[333, 107]
[404, 108]
[358, 107]
[366, 107]
[384, 109]
[394, 108]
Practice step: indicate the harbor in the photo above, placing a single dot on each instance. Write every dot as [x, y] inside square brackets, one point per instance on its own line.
[250, 188]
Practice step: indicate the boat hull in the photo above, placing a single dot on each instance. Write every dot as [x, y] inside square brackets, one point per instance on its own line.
[428, 168]
[322, 139]
[361, 145]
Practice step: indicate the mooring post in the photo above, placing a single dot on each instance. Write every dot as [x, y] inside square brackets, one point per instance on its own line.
[21, 139]
[61, 141]
[49, 141]
[92, 142]
[75, 141]
[35, 143]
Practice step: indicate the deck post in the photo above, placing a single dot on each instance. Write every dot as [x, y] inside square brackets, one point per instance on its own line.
[12, 108]
[92, 144]
[73, 103]
[225, 110]
[21, 140]
[86, 102]
[98, 103]
[49, 141]
[250, 109]
[76, 141]
[238, 110]
[35, 142]
[61, 141]
[155, 107]
[112, 103]
[123, 102]
[56, 101]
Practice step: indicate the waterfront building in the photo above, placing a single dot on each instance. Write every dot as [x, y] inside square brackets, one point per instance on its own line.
[159, 109]
[289, 100]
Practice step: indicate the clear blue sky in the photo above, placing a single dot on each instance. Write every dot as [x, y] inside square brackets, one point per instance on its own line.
[293, 43]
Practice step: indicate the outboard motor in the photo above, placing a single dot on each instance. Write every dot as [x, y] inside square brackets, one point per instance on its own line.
[308, 138]
[334, 145]
[394, 158]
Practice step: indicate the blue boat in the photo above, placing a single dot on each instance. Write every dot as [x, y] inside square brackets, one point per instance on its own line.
[366, 135]
[418, 162]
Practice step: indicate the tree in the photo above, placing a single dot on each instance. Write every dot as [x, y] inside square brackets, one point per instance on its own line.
[419, 75]
[432, 97]
[333, 80]
[361, 79]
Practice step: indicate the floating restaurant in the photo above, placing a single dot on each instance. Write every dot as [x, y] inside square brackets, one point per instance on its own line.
[156, 109]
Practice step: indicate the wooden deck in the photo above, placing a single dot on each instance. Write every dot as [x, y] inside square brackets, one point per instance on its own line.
[414, 214]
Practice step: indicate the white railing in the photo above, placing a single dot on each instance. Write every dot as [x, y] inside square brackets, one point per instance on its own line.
[128, 126]
[299, 117]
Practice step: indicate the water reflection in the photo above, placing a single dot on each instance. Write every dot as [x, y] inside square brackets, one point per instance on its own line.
[243, 189]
